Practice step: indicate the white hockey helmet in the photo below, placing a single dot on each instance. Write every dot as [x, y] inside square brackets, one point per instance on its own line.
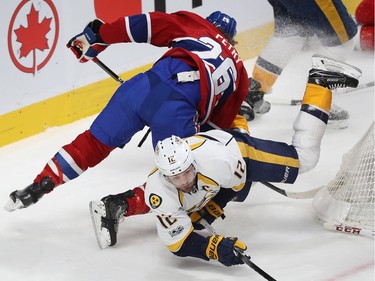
[173, 156]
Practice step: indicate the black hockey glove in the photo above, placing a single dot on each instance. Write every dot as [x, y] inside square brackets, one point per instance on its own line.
[210, 212]
[226, 250]
[254, 94]
[247, 111]
[88, 44]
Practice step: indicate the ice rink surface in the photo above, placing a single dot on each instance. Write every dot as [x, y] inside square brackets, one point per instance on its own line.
[54, 240]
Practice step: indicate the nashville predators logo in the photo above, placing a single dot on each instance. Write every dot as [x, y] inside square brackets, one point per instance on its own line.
[155, 200]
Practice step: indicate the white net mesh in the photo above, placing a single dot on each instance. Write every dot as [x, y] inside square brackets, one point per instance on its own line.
[349, 198]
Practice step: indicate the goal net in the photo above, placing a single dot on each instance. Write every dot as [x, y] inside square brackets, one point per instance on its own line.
[347, 202]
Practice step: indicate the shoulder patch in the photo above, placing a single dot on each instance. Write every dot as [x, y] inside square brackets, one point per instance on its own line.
[155, 200]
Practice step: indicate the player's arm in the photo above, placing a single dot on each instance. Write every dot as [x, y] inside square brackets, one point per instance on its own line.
[156, 28]
[179, 237]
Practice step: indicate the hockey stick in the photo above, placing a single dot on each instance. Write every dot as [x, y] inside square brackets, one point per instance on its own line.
[349, 229]
[108, 70]
[360, 87]
[294, 195]
[288, 101]
[283, 101]
[118, 79]
[243, 257]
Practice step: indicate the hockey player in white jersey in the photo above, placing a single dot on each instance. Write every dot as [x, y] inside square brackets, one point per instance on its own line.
[196, 177]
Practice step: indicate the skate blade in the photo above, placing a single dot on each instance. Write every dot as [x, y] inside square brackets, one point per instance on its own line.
[97, 211]
[11, 206]
[329, 64]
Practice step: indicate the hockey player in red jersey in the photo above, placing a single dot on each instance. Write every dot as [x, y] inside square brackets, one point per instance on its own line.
[196, 177]
[199, 83]
[364, 15]
[296, 22]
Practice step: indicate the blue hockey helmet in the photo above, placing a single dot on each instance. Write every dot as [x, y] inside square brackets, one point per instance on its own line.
[224, 22]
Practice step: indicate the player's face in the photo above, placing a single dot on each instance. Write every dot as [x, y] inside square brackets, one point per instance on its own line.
[184, 181]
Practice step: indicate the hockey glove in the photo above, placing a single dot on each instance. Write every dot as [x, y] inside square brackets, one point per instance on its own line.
[226, 250]
[210, 212]
[246, 111]
[255, 98]
[88, 44]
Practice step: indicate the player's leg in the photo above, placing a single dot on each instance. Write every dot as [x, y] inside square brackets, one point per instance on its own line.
[337, 31]
[107, 213]
[120, 119]
[288, 39]
[175, 115]
[278, 162]
[113, 127]
[327, 74]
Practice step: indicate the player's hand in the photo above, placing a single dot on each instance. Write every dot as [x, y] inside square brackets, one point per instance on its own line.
[88, 44]
[210, 212]
[226, 250]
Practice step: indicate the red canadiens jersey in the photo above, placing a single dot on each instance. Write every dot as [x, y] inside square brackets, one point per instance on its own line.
[191, 38]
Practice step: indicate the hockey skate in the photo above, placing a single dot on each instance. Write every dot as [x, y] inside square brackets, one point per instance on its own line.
[106, 215]
[333, 74]
[28, 196]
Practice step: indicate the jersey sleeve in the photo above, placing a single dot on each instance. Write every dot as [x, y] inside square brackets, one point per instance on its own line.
[175, 229]
[217, 154]
[156, 28]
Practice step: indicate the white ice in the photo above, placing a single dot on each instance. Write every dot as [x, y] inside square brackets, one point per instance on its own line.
[54, 240]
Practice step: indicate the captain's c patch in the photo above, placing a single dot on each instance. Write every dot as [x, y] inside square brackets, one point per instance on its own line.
[155, 200]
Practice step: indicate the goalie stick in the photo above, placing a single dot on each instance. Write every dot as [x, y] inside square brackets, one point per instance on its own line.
[349, 229]
[118, 79]
[289, 101]
[290, 194]
[243, 257]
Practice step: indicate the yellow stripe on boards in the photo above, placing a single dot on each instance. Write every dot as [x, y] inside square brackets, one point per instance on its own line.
[253, 41]
[60, 110]
[265, 77]
[265, 157]
[89, 100]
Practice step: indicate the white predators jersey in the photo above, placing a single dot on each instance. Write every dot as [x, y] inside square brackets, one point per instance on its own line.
[219, 164]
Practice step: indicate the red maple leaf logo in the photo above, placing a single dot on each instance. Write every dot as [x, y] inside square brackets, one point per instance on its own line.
[34, 36]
